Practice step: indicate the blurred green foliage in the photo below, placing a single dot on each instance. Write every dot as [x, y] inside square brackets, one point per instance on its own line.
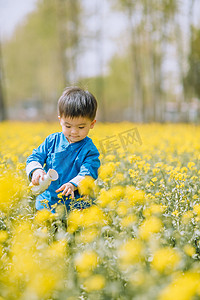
[43, 55]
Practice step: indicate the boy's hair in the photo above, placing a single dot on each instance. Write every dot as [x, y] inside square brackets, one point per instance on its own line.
[75, 102]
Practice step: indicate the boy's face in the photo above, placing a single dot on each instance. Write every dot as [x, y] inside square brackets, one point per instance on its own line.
[76, 129]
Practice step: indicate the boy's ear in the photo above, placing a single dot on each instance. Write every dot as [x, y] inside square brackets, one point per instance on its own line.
[92, 124]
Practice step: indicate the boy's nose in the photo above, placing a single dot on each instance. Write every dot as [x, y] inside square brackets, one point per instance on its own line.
[73, 130]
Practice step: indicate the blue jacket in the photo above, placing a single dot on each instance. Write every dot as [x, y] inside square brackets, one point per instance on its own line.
[72, 161]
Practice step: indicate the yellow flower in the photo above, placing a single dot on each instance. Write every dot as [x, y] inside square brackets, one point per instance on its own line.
[75, 219]
[93, 216]
[191, 165]
[42, 216]
[133, 158]
[183, 287]
[112, 205]
[165, 260]
[88, 235]
[133, 173]
[187, 216]
[11, 190]
[128, 220]
[87, 186]
[44, 283]
[118, 179]
[196, 209]
[3, 236]
[106, 171]
[155, 170]
[154, 179]
[85, 262]
[60, 196]
[146, 167]
[159, 165]
[110, 157]
[130, 252]
[57, 249]
[175, 213]
[183, 170]
[179, 176]
[134, 196]
[117, 192]
[189, 250]
[140, 164]
[122, 208]
[23, 250]
[149, 226]
[154, 209]
[180, 185]
[94, 283]
[20, 166]
[194, 178]
[105, 197]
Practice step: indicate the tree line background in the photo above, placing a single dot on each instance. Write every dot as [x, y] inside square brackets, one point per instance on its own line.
[153, 76]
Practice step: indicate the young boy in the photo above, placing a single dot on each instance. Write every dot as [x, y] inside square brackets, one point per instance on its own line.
[70, 152]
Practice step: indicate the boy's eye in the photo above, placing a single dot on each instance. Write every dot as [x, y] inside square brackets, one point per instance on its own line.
[81, 127]
[67, 126]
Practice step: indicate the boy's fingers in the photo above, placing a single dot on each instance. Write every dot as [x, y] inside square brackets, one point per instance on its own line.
[37, 176]
[42, 175]
[60, 189]
[72, 194]
[70, 191]
[35, 180]
[67, 193]
[66, 190]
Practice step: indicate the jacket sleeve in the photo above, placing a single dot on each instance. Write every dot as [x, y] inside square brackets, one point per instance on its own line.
[37, 159]
[89, 167]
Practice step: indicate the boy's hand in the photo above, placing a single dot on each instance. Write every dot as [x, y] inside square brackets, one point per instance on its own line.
[67, 188]
[37, 174]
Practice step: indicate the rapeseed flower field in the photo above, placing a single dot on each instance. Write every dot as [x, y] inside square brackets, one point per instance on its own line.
[141, 239]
